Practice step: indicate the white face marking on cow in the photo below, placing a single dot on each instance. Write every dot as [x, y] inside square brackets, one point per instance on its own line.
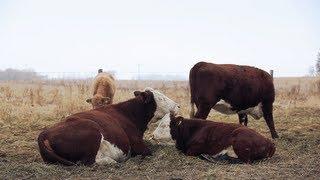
[225, 108]
[162, 133]
[164, 105]
[109, 153]
[256, 112]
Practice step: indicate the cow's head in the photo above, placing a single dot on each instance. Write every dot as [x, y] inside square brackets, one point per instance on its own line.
[162, 133]
[175, 122]
[98, 101]
[165, 133]
[256, 112]
[164, 105]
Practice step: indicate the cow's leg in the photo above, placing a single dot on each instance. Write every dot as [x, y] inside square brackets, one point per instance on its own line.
[138, 147]
[203, 110]
[268, 116]
[195, 149]
[243, 119]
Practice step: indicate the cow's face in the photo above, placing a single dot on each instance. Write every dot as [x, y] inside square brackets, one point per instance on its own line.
[162, 133]
[164, 105]
[98, 101]
[166, 132]
[256, 112]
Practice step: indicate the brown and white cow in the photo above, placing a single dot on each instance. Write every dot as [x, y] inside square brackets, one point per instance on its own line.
[103, 89]
[195, 137]
[107, 134]
[243, 89]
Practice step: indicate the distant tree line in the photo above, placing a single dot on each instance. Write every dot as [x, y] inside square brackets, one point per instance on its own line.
[315, 70]
[15, 74]
[318, 64]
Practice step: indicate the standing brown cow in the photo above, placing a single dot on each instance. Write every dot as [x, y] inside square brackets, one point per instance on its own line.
[242, 87]
[103, 89]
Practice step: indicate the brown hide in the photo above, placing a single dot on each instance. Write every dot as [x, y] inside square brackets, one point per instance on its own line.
[195, 137]
[240, 86]
[77, 138]
[103, 90]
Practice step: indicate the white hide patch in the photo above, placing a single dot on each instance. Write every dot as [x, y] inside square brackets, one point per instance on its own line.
[228, 151]
[225, 108]
[164, 104]
[109, 153]
[162, 133]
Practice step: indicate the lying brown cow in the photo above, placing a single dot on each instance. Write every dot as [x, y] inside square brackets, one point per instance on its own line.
[242, 89]
[195, 137]
[103, 89]
[107, 134]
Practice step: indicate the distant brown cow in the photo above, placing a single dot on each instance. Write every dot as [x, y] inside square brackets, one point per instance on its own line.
[243, 88]
[103, 89]
[107, 134]
[196, 137]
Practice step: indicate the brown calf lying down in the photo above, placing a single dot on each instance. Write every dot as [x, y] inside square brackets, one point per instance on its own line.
[195, 137]
[104, 135]
[103, 89]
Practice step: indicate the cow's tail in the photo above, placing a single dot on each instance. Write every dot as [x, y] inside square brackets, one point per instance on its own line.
[272, 150]
[192, 91]
[47, 153]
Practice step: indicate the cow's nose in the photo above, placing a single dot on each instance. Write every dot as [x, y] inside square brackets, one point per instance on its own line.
[173, 112]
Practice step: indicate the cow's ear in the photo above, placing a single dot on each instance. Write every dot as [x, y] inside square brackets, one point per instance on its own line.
[148, 96]
[179, 118]
[89, 100]
[172, 117]
[176, 120]
[137, 93]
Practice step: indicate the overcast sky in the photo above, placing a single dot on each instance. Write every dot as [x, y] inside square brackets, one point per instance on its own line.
[164, 36]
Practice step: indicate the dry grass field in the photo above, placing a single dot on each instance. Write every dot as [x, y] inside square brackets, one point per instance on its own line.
[26, 108]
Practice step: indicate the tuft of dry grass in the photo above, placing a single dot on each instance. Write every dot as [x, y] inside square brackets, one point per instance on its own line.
[27, 108]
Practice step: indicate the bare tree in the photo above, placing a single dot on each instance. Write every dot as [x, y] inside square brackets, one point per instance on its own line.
[311, 71]
[318, 64]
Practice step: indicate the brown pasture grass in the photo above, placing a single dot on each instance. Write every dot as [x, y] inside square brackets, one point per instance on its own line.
[26, 108]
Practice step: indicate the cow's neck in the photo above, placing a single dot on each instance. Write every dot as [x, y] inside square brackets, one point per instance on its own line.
[137, 112]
